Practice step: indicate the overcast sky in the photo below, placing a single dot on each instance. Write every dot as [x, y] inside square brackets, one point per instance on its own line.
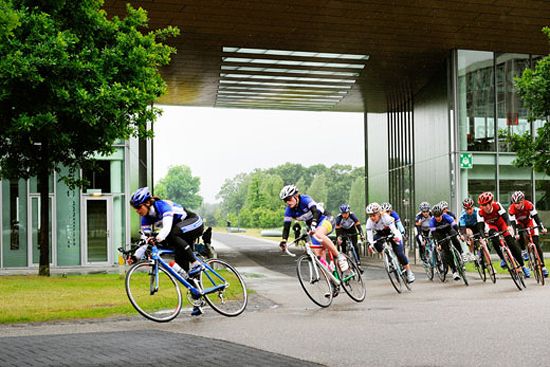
[219, 143]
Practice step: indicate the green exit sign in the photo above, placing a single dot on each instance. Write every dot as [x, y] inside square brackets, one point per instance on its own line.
[466, 160]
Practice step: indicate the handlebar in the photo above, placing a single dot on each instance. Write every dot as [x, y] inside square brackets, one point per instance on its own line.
[521, 230]
[446, 238]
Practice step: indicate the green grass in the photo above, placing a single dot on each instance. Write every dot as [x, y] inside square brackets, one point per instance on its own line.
[38, 299]
[470, 267]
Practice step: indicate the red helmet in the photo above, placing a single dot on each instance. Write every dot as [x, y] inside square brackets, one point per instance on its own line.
[468, 203]
[485, 198]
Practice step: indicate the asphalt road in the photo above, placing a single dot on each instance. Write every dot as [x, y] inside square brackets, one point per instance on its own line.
[437, 324]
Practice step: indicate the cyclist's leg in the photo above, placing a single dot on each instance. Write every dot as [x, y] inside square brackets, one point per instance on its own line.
[353, 239]
[181, 238]
[455, 241]
[514, 247]
[447, 256]
[536, 241]
[321, 237]
[496, 243]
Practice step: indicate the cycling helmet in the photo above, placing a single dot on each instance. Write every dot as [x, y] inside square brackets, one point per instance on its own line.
[142, 195]
[517, 197]
[444, 205]
[288, 191]
[437, 210]
[467, 203]
[424, 206]
[373, 208]
[385, 206]
[344, 208]
[485, 198]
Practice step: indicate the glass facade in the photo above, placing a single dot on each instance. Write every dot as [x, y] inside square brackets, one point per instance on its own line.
[86, 225]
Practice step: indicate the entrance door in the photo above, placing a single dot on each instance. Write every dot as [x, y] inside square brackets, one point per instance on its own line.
[97, 230]
[35, 225]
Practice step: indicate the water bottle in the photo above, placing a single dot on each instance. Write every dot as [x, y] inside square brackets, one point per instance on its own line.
[178, 269]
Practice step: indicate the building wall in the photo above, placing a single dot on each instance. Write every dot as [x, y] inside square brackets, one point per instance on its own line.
[432, 144]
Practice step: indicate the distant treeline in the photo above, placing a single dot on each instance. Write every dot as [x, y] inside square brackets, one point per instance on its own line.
[252, 199]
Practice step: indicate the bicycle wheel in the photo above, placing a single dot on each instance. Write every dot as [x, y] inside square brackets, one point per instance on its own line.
[478, 263]
[535, 264]
[404, 279]
[389, 265]
[428, 263]
[232, 299]
[160, 302]
[440, 267]
[512, 269]
[314, 281]
[459, 263]
[352, 282]
[489, 264]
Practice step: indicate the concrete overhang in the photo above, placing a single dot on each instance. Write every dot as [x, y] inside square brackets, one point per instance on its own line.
[405, 41]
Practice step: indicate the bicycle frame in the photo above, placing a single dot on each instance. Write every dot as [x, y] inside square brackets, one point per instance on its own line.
[157, 260]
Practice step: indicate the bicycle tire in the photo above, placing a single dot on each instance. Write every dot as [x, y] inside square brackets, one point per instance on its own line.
[478, 263]
[441, 268]
[536, 264]
[160, 305]
[352, 254]
[459, 263]
[511, 265]
[352, 282]
[231, 300]
[405, 280]
[392, 272]
[317, 288]
[489, 264]
[429, 264]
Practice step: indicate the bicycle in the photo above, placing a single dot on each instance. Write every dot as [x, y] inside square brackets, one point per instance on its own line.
[395, 271]
[483, 262]
[152, 288]
[322, 284]
[515, 270]
[348, 248]
[428, 257]
[535, 262]
[457, 258]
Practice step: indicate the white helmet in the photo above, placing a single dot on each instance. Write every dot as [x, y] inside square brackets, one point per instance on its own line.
[373, 208]
[288, 191]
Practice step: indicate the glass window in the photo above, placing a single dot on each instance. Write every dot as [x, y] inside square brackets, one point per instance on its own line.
[14, 222]
[537, 123]
[482, 176]
[100, 178]
[476, 100]
[542, 202]
[512, 116]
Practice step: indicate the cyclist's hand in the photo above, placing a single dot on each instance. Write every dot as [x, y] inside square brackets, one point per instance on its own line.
[152, 240]
[517, 236]
[283, 245]
[339, 240]
[131, 260]
[543, 231]
[362, 238]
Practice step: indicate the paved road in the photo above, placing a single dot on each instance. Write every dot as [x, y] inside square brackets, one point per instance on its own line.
[435, 325]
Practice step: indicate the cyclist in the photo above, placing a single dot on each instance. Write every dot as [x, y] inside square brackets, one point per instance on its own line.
[348, 224]
[303, 208]
[467, 225]
[445, 206]
[493, 214]
[381, 224]
[388, 209]
[179, 228]
[442, 225]
[422, 227]
[522, 213]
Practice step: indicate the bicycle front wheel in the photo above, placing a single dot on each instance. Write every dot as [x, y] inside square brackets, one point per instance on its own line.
[441, 267]
[535, 264]
[459, 264]
[232, 298]
[352, 282]
[488, 264]
[392, 271]
[314, 281]
[513, 267]
[156, 296]
[428, 263]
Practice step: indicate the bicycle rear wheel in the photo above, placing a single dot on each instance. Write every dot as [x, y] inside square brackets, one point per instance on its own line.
[230, 300]
[160, 302]
[314, 281]
[352, 282]
[392, 272]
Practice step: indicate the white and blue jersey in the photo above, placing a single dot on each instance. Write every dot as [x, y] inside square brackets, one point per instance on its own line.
[447, 223]
[162, 214]
[347, 223]
[398, 222]
[302, 211]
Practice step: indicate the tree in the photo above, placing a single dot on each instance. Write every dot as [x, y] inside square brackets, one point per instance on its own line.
[180, 186]
[72, 82]
[318, 189]
[357, 198]
[534, 88]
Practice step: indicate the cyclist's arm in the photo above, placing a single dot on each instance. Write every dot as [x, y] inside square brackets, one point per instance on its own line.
[359, 229]
[286, 229]
[316, 215]
[535, 215]
[400, 226]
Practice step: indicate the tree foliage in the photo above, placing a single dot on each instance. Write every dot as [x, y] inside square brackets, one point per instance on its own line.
[534, 89]
[181, 186]
[252, 199]
[72, 82]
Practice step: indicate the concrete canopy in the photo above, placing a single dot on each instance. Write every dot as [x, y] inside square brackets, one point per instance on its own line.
[405, 41]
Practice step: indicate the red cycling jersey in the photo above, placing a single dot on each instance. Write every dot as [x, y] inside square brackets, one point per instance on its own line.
[494, 219]
[524, 216]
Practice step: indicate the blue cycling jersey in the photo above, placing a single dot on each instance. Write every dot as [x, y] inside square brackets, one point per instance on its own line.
[162, 209]
[347, 223]
[302, 211]
[468, 220]
[444, 225]
[397, 220]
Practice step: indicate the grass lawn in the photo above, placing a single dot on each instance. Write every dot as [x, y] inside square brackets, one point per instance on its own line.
[470, 267]
[253, 232]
